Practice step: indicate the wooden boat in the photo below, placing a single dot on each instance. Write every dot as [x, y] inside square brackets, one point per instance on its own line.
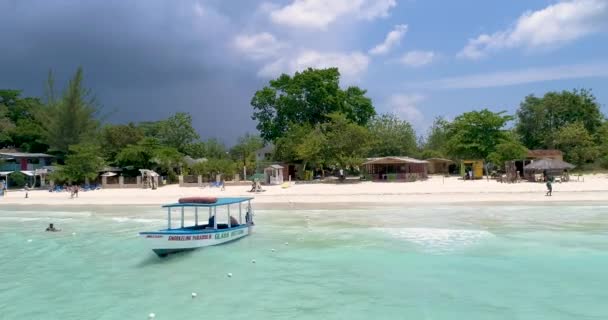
[172, 240]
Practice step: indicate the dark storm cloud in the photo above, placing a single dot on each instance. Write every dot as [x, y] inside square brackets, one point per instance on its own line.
[143, 59]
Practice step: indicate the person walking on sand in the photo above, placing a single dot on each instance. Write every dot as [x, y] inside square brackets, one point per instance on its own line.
[549, 187]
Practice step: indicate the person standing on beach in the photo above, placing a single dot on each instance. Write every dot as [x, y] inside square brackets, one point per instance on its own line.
[549, 186]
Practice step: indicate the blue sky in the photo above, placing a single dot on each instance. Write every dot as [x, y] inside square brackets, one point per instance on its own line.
[418, 59]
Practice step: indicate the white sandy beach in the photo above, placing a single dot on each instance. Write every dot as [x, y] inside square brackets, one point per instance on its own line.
[435, 190]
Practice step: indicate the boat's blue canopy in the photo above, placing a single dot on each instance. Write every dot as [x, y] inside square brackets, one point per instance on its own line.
[218, 203]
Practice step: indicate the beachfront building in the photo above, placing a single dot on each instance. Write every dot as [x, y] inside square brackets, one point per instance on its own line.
[439, 165]
[273, 174]
[33, 165]
[265, 153]
[539, 170]
[545, 154]
[516, 166]
[475, 166]
[23, 161]
[401, 169]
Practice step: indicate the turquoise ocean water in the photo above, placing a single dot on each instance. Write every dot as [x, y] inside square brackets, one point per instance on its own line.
[427, 262]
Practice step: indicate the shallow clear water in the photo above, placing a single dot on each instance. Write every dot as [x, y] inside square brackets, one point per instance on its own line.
[442, 262]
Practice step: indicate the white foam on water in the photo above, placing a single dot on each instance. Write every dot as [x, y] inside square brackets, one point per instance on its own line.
[19, 219]
[137, 220]
[435, 239]
[44, 214]
[28, 219]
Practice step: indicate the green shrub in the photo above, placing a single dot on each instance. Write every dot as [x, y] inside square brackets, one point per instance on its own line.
[17, 180]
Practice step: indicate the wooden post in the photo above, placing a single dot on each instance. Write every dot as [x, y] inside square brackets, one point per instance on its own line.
[169, 218]
[182, 223]
[196, 216]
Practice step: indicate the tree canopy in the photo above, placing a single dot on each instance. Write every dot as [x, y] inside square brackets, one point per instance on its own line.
[476, 134]
[71, 119]
[244, 151]
[307, 97]
[19, 125]
[82, 162]
[576, 143]
[391, 136]
[177, 131]
[114, 138]
[540, 119]
[435, 144]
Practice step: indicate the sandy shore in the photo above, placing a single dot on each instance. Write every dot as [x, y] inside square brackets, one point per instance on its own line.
[436, 190]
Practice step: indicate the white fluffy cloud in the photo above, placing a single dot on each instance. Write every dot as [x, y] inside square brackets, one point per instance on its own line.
[351, 65]
[552, 26]
[417, 58]
[318, 14]
[392, 39]
[406, 107]
[258, 46]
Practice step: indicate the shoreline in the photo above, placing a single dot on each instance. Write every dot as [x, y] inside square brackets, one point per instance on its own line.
[365, 195]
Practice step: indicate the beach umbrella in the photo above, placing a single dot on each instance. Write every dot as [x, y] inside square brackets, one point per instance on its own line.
[549, 164]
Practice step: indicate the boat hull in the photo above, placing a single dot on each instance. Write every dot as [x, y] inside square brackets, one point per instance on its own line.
[177, 240]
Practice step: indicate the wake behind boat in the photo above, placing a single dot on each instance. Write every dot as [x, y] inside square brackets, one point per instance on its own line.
[172, 240]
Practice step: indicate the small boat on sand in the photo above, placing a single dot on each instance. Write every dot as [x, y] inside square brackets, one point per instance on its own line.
[172, 240]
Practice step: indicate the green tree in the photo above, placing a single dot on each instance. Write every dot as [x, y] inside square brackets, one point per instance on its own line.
[311, 148]
[6, 126]
[17, 179]
[149, 153]
[70, 120]
[540, 119]
[167, 160]
[151, 129]
[307, 98]
[210, 149]
[212, 167]
[507, 150]
[19, 126]
[114, 138]
[475, 134]
[82, 162]
[391, 136]
[436, 141]
[287, 145]
[244, 151]
[177, 131]
[576, 143]
[601, 138]
[305, 144]
[347, 142]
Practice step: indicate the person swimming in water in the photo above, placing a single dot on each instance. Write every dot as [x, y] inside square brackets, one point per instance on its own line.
[52, 228]
[249, 218]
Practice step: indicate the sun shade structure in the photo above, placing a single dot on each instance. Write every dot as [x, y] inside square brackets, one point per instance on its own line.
[220, 202]
[549, 164]
[109, 174]
[396, 169]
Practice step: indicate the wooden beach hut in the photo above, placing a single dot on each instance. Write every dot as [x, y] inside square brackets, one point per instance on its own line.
[474, 165]
[400, 169]
[273, 174]
[439, 165]
[539, 154]
[536, 170]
